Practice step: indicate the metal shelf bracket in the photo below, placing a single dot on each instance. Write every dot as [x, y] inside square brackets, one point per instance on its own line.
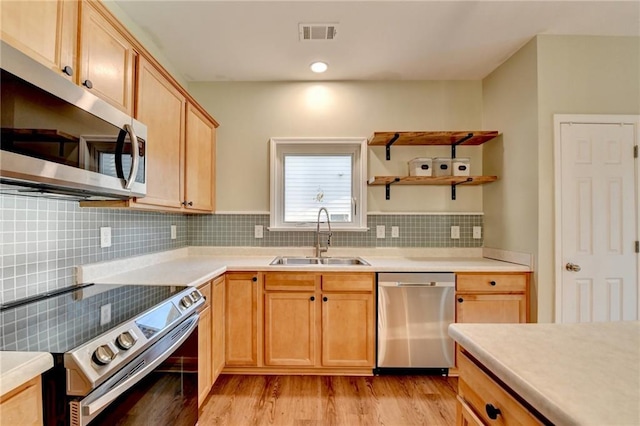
[388, 188]
[453, 187]
[391, 142]
[456, 143]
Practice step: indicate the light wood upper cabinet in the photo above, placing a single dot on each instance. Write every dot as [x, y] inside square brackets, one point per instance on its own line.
[44, 30]
[241, 327]
[218, 321]
[200, 148]
[107, 59]
[162, 108]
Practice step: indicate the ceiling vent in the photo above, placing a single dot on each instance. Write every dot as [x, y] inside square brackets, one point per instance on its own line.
[316, 32]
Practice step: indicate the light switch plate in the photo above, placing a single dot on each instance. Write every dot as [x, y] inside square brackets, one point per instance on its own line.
[455, 232]
[258, 231]
[105, 236]
[395, 232]
[174, 232]
[380, 231]
[477, 232]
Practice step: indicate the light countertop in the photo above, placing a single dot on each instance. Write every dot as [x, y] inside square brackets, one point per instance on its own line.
[17, 368]
[573, 374]
[194, 266]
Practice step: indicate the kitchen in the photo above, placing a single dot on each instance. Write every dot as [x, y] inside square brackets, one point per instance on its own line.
[518, 99]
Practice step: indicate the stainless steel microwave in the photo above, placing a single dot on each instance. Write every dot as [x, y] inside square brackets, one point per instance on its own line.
[60, 140]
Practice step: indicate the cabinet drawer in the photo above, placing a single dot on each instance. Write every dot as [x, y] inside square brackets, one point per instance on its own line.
[483, 395]
[348, 282]
[492, 283]
[290, 281]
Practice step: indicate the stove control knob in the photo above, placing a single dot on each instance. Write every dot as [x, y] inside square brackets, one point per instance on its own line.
[103, 355]
[186, 302]
[125, 340]
[195, 296]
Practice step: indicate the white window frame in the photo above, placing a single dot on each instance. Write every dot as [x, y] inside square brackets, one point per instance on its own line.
[278, 147]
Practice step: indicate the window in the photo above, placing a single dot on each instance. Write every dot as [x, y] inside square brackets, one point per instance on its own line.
[307, 174]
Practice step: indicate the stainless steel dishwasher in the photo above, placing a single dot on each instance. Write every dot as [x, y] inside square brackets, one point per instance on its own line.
[414, 312]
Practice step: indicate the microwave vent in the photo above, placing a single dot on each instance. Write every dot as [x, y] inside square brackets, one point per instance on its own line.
[318, 32]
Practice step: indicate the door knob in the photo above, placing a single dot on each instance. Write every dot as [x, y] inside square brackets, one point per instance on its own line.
[572, 267]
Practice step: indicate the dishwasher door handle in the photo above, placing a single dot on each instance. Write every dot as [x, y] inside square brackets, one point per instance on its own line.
[424, 284]
[429, 284]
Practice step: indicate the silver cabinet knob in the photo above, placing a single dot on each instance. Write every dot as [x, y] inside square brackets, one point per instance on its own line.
[572, 267]
[103, 355]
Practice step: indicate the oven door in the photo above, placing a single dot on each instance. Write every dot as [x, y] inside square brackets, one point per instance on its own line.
[159, 387]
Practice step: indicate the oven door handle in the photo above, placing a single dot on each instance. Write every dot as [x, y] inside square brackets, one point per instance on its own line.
[90, 408]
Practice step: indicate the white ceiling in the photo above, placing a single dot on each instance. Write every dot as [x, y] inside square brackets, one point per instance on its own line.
[377, 40]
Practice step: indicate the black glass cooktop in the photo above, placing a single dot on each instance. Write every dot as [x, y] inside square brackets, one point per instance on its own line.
[59, 322]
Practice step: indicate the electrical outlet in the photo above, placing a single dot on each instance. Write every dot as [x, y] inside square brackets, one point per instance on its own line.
[477, 232]
[105, 236]
[380, 231]
[174, 232]
[395, 232]
[455, 232]
[105, 314]
[258, 231]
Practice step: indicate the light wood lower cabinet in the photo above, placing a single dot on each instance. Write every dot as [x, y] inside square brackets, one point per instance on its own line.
[492, 297]
[23, 405]
[241, 327]
[348, 333]
[319, 320]
[218, 318]
[205, 362]
[482, 400]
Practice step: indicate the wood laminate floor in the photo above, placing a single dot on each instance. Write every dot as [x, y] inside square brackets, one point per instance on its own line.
[239, 400]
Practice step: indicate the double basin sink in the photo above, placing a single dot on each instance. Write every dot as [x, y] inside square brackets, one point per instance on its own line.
[333, 261]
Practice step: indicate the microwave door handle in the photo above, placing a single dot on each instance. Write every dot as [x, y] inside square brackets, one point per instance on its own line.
[119, 151]
[135, 155]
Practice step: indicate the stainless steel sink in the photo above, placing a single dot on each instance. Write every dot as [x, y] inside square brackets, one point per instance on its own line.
[334, 261]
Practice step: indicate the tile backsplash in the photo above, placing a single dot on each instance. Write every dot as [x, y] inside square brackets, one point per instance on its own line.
[422, 230]
[41, 240]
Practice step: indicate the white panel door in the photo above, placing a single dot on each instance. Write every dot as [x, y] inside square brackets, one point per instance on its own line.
[598, 214]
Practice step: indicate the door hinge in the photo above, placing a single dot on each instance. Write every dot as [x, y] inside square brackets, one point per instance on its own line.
[635, 151]
[637, 246]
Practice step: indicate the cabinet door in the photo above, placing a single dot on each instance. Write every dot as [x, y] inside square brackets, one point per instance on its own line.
[491, 308]
[161, 107]
[44, 30]
[205, 373]
[347, 330]
[23, 405]
[241, 336]
[218, 315]
[290, 329]
[200, 147]
[106, 60]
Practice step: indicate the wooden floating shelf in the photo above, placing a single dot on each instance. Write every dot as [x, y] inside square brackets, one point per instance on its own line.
[431, 180]
[432, 138]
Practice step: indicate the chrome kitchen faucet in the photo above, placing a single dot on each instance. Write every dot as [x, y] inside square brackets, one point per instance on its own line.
[319, 248]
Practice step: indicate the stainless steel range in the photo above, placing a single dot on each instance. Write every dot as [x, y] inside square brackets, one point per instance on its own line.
[122, 354]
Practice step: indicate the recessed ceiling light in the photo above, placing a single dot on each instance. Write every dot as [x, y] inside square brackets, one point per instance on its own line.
[319, 67]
